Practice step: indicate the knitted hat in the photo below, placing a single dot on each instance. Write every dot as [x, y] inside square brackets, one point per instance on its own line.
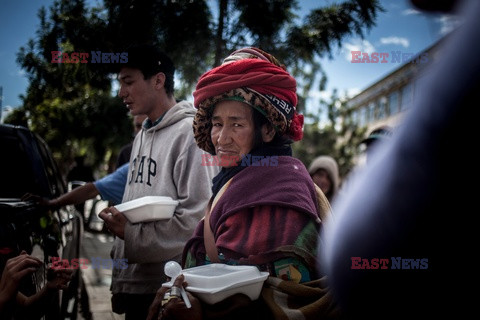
[255, 77]
[328, 164]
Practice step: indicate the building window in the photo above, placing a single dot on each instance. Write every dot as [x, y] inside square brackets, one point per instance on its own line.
[382, 108]
[354, 116]
[371, 112]
[393, 103]
[362, 116]
[407, 96]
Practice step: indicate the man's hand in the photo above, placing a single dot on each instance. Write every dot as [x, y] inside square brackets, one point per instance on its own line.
[114, 220]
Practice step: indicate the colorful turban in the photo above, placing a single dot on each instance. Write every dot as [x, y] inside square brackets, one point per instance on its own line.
[255, 77]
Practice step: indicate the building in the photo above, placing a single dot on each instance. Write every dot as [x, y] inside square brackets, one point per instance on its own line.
[388, 100]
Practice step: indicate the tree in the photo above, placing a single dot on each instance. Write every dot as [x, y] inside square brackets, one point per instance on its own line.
[181, 28]
[337, 136]
[69, 104]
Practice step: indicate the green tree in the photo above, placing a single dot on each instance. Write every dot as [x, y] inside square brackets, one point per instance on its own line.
[70, 104]
[335, 134]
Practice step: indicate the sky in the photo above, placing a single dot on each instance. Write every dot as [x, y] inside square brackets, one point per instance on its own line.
[399, 28]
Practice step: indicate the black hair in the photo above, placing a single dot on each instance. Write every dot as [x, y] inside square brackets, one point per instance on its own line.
[150, 61]
[258, 121]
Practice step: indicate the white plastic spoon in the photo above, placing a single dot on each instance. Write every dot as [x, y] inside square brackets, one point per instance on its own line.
[173, 270]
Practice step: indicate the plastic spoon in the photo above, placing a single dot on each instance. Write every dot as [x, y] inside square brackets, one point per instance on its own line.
[173, 270]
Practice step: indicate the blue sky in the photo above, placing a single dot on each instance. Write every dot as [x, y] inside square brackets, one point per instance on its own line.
[400, 28]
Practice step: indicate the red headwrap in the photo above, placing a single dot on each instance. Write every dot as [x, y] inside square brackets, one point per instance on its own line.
[262, 82]
[259, 75]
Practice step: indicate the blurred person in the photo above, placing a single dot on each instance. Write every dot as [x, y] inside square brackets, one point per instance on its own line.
[325, 174]
[410, 206]
[13, 302]
[126, 150]
[376, 136]
[165, 161]
[265, 209]
[80, 171]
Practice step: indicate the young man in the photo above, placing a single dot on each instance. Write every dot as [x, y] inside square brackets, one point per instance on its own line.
[165, 161]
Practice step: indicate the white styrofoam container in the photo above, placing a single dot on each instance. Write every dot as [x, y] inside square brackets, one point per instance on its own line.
[149, 208]
[214, 282]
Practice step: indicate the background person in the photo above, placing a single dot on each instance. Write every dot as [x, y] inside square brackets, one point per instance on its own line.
[126, 150]
[325, 174]
[376, 137]
[80, 171]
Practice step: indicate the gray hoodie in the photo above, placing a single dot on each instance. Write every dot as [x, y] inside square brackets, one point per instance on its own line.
[165, 161]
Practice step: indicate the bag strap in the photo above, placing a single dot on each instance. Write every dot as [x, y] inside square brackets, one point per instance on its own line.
[324, 208]
[208, 238]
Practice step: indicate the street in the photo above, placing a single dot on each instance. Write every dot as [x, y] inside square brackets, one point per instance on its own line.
[97, 280]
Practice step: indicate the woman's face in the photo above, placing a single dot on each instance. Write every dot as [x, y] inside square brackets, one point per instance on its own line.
[321, 179]
[233, 131]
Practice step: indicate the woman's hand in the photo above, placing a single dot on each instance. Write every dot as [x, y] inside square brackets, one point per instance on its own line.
[174, 307]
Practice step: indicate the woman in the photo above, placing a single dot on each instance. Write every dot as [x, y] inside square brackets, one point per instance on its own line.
[265, 209]
[324, 173]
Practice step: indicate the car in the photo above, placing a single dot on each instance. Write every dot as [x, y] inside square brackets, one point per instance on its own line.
[28, 166]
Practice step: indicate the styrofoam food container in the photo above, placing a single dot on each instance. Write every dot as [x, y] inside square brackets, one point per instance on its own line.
[149, 208]
[214, 282]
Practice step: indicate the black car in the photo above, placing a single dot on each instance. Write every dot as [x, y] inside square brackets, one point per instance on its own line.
[27, 166]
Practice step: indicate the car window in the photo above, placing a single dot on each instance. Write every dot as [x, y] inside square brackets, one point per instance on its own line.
[57, 186]
[17, 177]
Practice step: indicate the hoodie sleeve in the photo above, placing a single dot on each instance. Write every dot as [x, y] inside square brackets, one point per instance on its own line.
[163, 240]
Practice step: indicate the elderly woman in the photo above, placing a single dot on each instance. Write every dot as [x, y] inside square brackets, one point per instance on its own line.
[265, 209]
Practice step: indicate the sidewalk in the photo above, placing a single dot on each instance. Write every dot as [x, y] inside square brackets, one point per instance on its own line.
[97, 281]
